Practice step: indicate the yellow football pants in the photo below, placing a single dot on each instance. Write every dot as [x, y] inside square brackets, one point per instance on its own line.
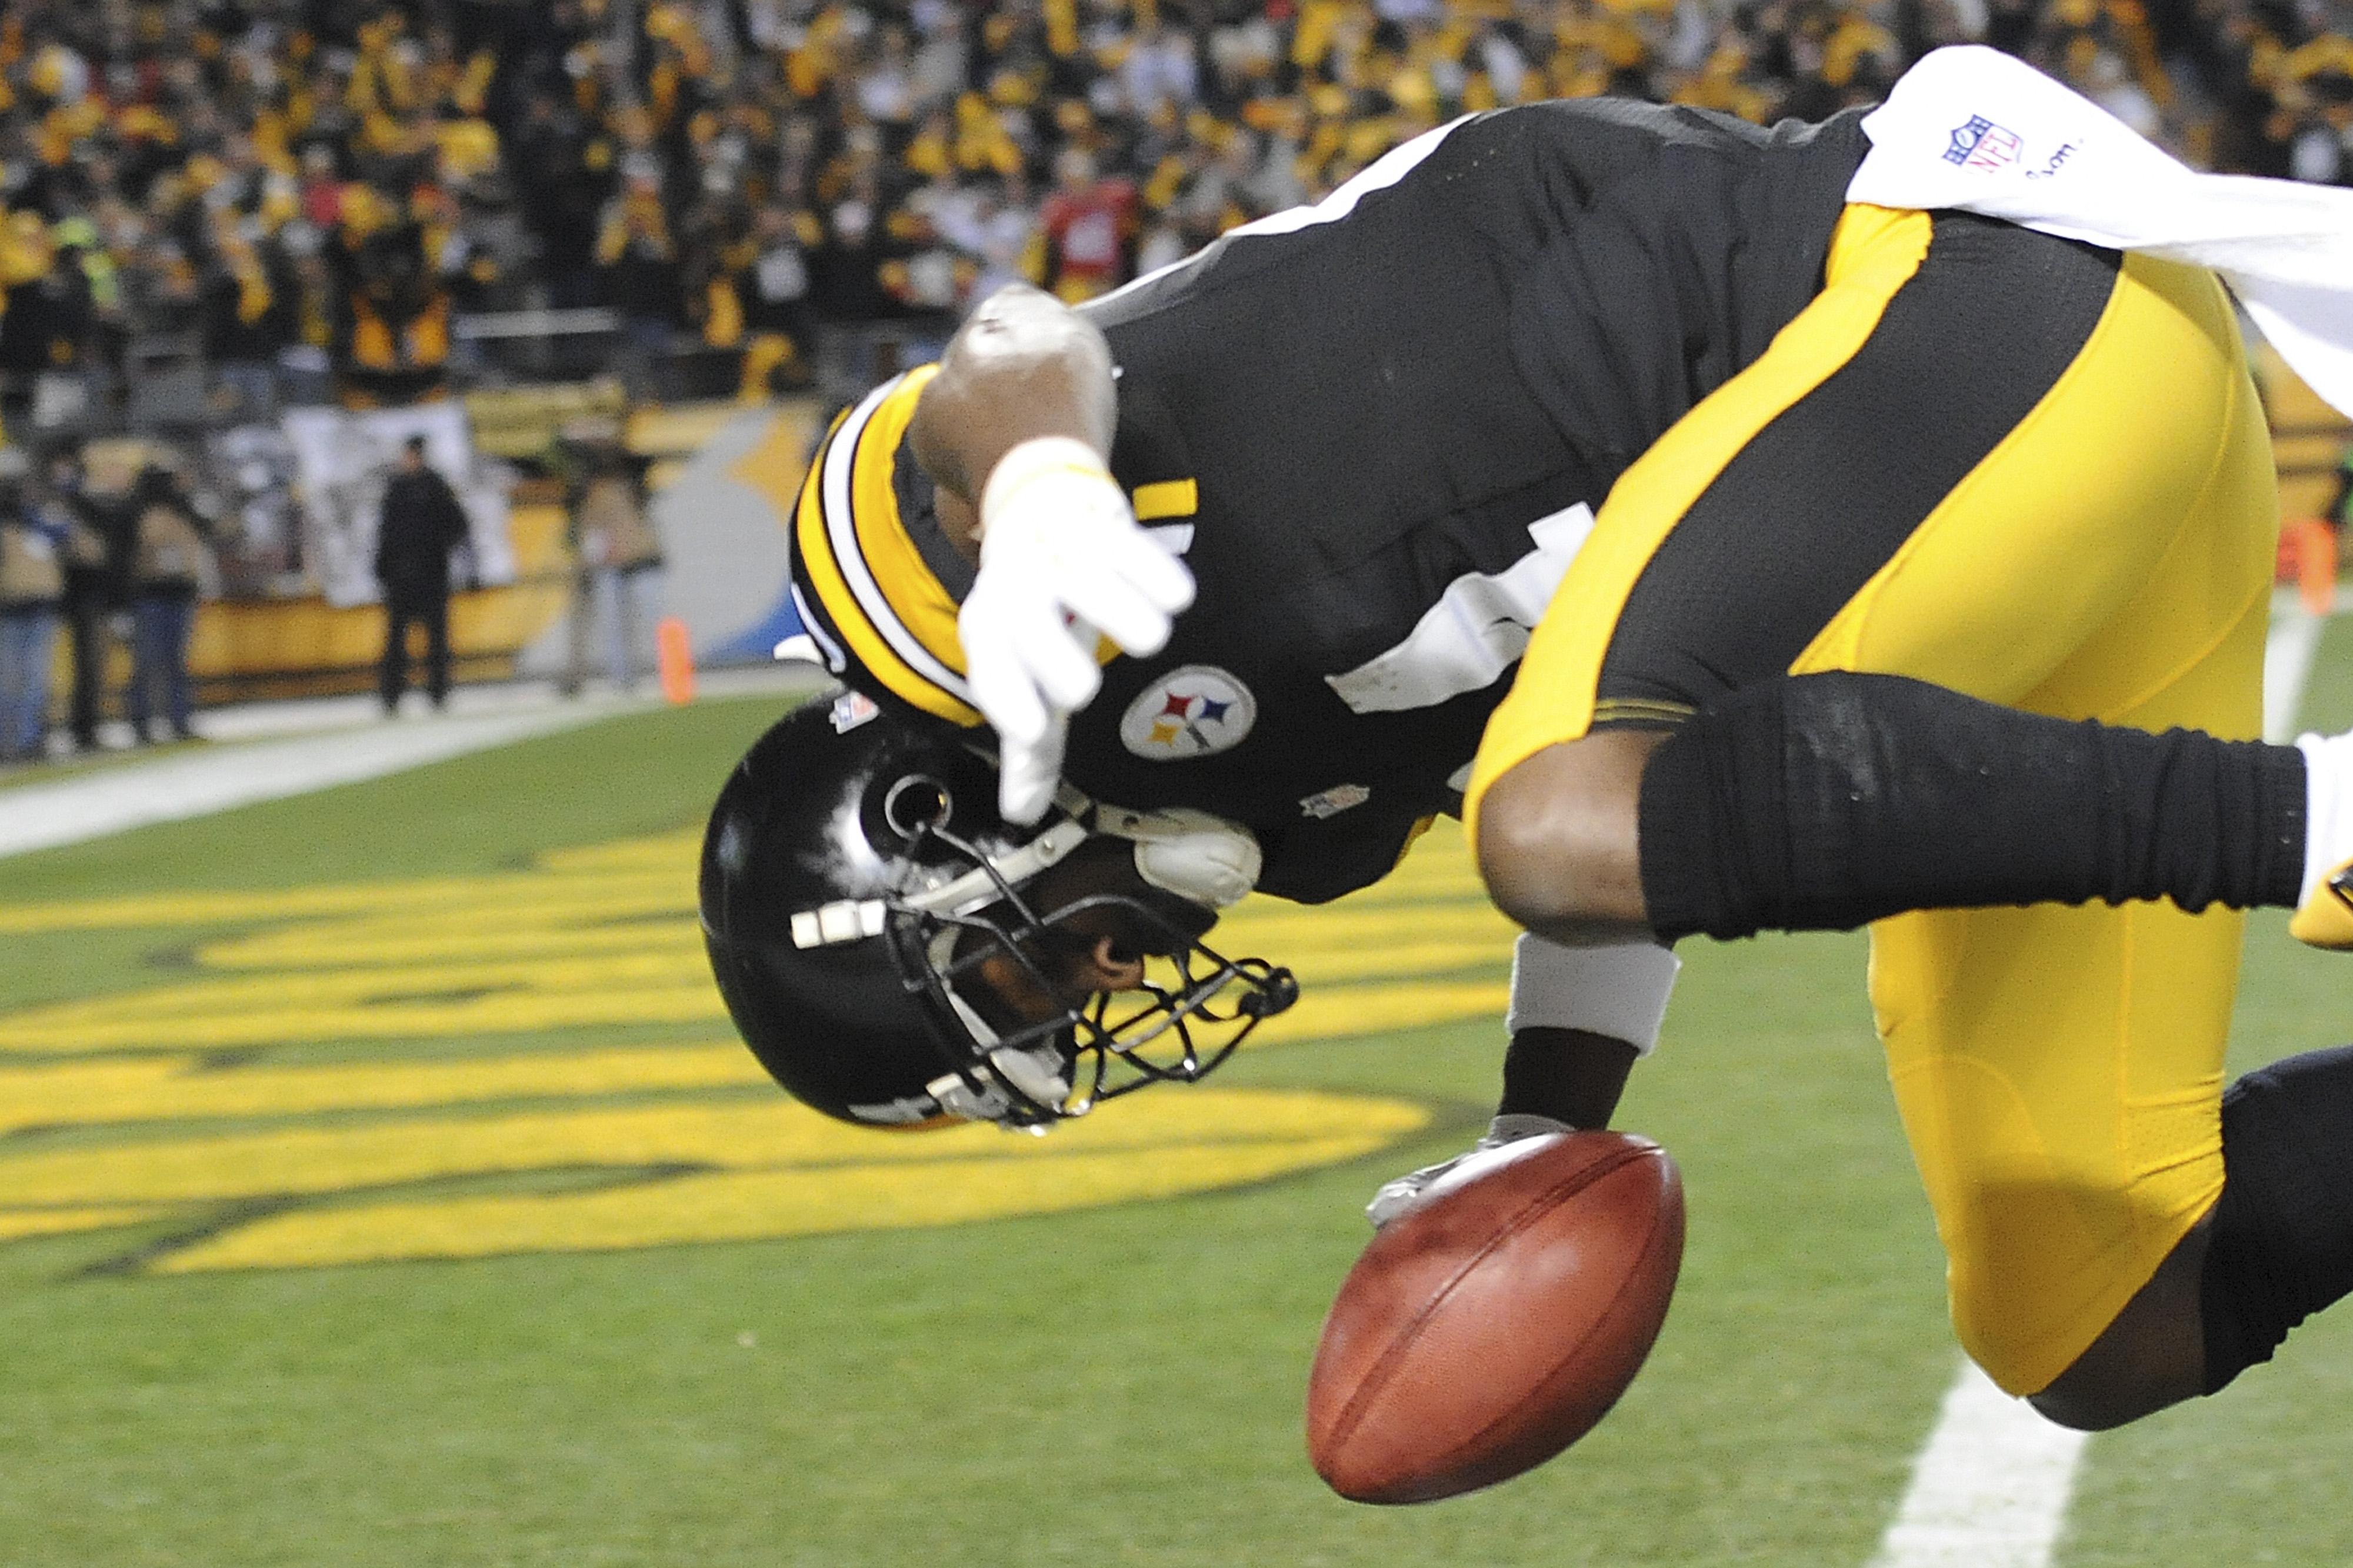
[2059, 1069]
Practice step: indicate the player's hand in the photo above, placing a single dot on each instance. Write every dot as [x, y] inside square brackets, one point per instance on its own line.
[1396, 1197]
[1061, 560]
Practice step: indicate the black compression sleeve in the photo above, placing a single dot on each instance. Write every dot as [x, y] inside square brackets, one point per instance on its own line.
[2282, 1243]
[1824, 802]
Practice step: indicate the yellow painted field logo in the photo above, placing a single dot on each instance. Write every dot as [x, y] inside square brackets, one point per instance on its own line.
[537, 1061]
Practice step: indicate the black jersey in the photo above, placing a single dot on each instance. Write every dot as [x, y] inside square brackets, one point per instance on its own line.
[1377, 429]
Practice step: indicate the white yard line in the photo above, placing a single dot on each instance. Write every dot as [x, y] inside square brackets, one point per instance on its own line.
[2287, 663]
[1991, 1488]
[198, 783]
[275, 750]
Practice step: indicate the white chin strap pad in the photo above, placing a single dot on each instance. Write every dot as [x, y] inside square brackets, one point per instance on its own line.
[1191, 853]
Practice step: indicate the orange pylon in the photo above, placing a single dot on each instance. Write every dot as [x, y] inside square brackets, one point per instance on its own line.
[2316, 565]
[676, 655]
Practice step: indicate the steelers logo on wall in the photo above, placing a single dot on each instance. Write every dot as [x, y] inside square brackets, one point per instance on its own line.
[1194, 711]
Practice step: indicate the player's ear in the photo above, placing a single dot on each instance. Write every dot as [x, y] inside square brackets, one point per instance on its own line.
[1111, 964]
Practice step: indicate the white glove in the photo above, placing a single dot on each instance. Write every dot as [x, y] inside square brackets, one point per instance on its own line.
[1396, 1197]
[1060, 559]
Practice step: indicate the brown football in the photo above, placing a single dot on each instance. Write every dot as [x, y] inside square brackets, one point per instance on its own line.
[1494, 1323]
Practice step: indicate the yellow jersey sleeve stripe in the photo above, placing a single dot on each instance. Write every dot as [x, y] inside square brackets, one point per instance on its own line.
[1873, 253]
[1632, 710]
[1167, 498]
[832, 538]
[908, 587]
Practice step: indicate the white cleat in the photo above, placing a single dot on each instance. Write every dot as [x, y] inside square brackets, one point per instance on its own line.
[1396, 1197]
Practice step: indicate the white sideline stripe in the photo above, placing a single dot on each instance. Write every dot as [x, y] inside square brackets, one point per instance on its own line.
[173, 789]
[2287, 663]
[1991, 1488]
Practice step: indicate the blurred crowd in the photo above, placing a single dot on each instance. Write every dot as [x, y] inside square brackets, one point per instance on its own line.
[324, 188]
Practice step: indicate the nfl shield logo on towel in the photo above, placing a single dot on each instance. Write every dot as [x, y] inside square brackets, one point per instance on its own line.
[1982, 144]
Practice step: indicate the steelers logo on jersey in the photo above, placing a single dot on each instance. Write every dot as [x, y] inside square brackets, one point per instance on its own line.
[1195, 711]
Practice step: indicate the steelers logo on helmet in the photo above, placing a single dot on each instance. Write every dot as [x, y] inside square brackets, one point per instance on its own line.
[1197, 711]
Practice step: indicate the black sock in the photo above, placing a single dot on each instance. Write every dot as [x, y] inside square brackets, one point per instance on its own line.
[1824, 802]
[1568, 1075]
[2281, 1243]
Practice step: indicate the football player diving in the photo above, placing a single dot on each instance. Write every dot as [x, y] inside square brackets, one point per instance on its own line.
[1735, 547]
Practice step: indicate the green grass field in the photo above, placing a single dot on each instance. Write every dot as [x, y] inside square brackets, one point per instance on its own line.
[378, 1185]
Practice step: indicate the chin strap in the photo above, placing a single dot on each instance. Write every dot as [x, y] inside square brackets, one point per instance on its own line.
[1191, 853]
[1196, 855]
[1039, 1074]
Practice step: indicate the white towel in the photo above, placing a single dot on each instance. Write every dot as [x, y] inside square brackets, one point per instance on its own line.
[1972, 128]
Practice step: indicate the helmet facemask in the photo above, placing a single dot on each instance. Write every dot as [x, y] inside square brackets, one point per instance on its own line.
[958, 943]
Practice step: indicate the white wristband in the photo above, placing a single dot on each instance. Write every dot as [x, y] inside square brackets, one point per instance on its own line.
[1039, 458]
[1619, 991]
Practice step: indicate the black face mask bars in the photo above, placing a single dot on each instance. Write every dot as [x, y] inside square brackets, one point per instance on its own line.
[1194, 1009]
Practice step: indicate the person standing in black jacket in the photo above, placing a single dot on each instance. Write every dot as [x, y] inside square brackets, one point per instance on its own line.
[97, 585]
[422, 523]
[171, 561]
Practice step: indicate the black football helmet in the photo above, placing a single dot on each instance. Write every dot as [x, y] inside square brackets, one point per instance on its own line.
[857, 877]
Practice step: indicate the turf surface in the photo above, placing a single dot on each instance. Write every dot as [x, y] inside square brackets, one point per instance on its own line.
[1114, 1385]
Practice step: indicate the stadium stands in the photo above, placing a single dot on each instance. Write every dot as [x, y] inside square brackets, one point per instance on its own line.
[208, 207]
